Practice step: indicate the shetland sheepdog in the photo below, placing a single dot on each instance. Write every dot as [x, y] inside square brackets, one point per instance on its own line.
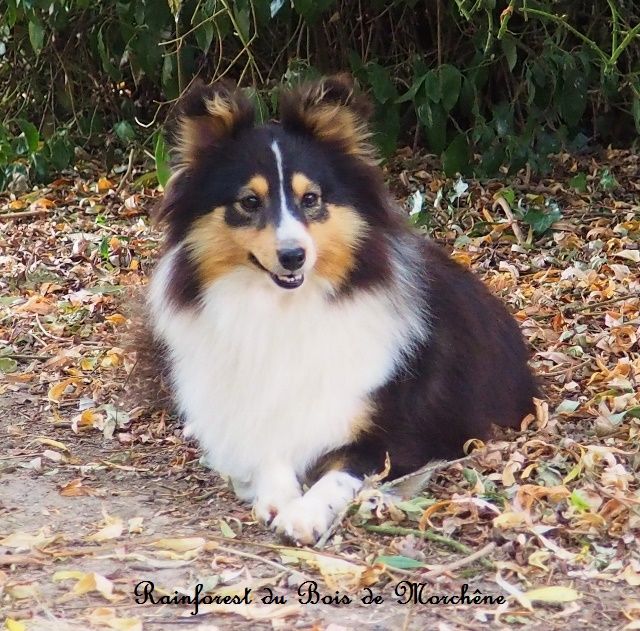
[310, 333]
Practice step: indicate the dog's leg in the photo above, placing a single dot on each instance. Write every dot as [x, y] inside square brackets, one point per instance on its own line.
[306, 518]
[275, 486]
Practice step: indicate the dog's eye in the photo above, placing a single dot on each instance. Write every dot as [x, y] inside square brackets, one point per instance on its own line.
[250, 202]
[309, 200]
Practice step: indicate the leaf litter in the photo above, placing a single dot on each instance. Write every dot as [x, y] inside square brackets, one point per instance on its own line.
[99, 495]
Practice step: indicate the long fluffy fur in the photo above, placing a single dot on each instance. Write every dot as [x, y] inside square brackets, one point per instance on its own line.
[377, 344]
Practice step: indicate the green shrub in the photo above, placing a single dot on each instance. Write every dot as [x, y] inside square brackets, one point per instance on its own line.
[483, 83]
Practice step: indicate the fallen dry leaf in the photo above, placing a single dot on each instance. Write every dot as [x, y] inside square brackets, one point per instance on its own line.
[86, 582]
[106, 617]
[552, 594]
[111, 530]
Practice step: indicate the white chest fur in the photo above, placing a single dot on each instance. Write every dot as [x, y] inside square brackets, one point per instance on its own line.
[264, 374]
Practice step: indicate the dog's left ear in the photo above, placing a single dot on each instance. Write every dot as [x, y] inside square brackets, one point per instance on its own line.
[331, 111]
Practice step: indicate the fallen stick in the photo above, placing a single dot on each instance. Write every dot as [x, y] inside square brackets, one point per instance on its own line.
[22, 559]
[456, 565]
[25, 214]
[501, 202]
[127, 173]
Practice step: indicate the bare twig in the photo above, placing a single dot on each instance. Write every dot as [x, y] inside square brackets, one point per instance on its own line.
[20, 559]
[581, 306]
[456, 565]
[502, 203]
[24, 214]
[261, 559]
[127, 173]
[563, 370]
[47, 334]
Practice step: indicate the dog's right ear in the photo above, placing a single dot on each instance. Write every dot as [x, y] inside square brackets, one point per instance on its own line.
[205, 117]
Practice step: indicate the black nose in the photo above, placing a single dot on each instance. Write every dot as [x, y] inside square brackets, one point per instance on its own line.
[292, 258]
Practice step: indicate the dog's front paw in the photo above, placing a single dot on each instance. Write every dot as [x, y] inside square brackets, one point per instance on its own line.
[266, 508]
[303, 520]
[265, 511]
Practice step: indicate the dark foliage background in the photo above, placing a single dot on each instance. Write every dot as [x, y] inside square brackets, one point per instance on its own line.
[484, 83]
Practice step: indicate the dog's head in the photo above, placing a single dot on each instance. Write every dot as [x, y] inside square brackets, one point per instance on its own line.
[292, 201]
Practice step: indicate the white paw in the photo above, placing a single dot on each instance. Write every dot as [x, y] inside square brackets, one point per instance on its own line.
[265, 508]
[307, 518]
[304, 520]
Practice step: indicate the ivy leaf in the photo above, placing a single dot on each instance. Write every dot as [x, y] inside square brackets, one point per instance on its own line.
[450, 82]
[573, 97]
[381, 84]
[36, 36]
[541, 221]
[456, 156]
[510, 51]
[161, 157]
[204, 36]
[105, 56]
[124, 131]
[260, 105]
[243, 21]
[468, 102]
[60, 152]
[509, 195]
[579, 182]
[432, 86]
[169, 77]
[410, 94]
[387, 127]
[400, 562]
[434, 119]
[31, 134]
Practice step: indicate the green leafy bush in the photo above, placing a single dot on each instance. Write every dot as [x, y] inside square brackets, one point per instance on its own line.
[483, 83]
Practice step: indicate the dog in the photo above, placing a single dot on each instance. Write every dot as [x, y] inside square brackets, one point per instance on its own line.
[310, 334]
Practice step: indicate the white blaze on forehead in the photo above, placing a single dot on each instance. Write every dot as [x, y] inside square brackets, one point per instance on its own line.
[289, 229]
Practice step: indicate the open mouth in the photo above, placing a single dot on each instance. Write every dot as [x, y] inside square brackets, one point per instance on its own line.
[290, 281]
[287, 281]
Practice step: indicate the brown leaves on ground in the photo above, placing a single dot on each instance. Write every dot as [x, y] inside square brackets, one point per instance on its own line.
[98, 496]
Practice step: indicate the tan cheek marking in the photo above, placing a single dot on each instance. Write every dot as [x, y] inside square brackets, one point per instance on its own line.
[300, 184]
[212, 246]
[336, 240]
[218, 249]
[259, 185]
[260, 243]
